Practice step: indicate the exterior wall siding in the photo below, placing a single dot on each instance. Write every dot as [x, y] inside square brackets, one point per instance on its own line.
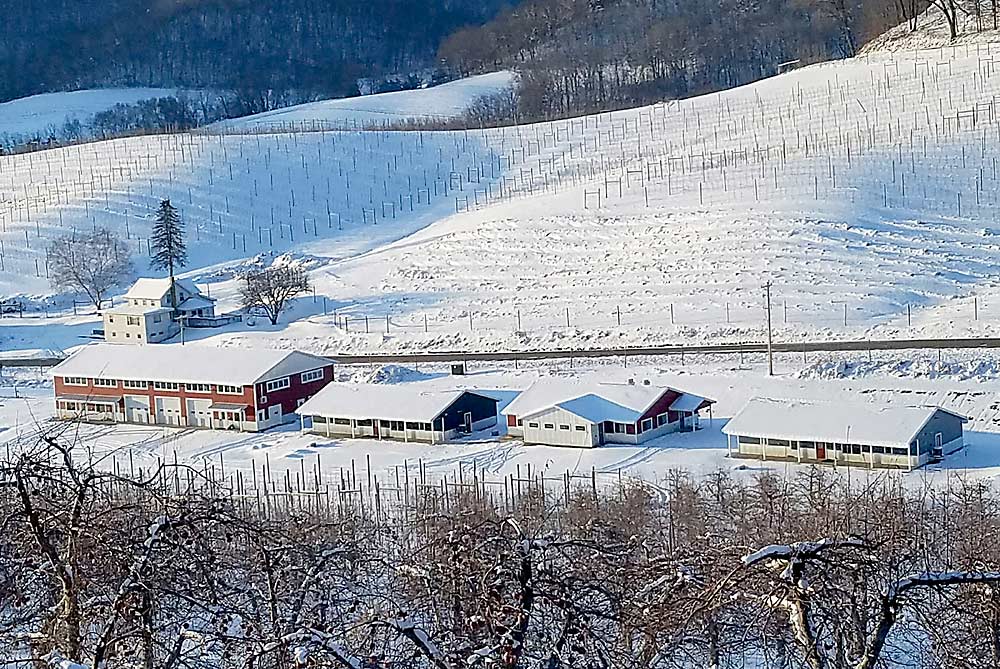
[287, 398]
[588, 437]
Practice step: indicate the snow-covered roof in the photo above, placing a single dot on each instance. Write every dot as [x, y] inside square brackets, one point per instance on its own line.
[136, 310]
[590, 399]
[688, 403]
[155, 289]
[832, 422]
[178, 363]
[361, 401]
[598, 409]
[196, 302]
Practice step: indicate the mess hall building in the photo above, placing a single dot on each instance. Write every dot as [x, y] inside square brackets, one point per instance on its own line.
[404, 412]
[857, 434]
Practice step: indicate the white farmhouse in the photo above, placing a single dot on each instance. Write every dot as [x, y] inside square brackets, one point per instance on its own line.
[147, 316]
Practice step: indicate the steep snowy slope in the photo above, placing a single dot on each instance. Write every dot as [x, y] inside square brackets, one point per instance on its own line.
[865, 190]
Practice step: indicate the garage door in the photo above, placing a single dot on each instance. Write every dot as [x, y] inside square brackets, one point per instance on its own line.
[168, 410]
[198, 413]
[136, 409]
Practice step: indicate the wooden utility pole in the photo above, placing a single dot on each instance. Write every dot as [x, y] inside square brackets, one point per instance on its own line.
[770, 350]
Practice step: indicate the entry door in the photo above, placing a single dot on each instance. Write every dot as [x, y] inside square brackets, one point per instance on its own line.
[468, 422]
[274, 412]
[820, 451]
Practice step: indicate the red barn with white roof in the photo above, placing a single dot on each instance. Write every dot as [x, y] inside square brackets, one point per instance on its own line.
[190, 386]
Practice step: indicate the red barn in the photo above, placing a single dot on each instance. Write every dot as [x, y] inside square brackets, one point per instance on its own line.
[195, 386]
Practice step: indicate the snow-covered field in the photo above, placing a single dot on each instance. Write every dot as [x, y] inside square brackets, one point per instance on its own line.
[441, 102]
[47, 113]
[865, 190]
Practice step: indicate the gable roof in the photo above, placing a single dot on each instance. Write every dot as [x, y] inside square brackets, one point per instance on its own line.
[597, 401]
[155, 289]
[832, 422]
[404, 402]
[185, 364]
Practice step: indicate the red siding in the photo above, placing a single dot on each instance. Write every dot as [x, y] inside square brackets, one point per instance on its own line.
[62, 390]
[289, 397]
[661, 405]
[511, 421]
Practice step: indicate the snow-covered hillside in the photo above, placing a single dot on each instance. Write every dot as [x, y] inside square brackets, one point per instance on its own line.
[865, 190]
[46, 114]
[440, 102]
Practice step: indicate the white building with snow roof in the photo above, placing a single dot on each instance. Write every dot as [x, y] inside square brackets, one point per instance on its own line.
[148, 316]
[584, 413]
[859, 434]
[404, 412]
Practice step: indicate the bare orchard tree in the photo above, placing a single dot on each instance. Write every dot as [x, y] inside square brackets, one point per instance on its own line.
[91, 263]
[271, 288]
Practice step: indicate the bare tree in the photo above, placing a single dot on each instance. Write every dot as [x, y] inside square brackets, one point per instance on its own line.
[271, 288]
[92, 263]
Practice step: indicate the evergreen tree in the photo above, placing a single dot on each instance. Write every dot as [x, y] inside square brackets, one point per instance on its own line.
[167, 244]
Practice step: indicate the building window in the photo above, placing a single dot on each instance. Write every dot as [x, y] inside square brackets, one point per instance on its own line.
[157, 318]
[230, 390]
[341, 421]
[749, 440]
[533, 425]
[778, 442]
[74, 381]
[166, 385]
[278, 384]
[365, 422]
[549, 426]
[132, 320]
[314, 375]
[647, 424]
[111, 319]
[581, 428]
[198, 387]
[106, 383]
[661, 419]
[136, 385]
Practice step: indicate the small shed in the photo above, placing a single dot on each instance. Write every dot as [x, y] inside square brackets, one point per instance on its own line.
[404, 412]
[844, 433]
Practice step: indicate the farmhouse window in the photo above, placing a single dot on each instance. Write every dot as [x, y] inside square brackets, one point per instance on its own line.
[278, 384]
[647, 424]
[106, 383]
[550, 426]
[749, 440]
[341, 421]
[581, 428]
[136, 385]
[314, 375]
[533, 425]
[230, 390]
[564, 427]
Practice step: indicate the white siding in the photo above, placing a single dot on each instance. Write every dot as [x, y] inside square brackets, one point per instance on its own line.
[556, 435]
